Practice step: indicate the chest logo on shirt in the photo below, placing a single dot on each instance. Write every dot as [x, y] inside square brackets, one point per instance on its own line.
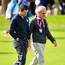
[27, 20]
[40, 30]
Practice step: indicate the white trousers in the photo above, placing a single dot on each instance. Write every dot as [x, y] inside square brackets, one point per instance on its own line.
[38, 50]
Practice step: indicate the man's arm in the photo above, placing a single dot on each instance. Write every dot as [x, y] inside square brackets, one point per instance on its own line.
[50, 37]
[13, 27]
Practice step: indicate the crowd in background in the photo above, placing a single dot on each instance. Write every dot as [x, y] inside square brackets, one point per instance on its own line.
[50, 5]
[62, 6]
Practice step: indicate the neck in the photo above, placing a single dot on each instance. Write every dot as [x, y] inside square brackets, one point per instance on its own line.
[40, 17]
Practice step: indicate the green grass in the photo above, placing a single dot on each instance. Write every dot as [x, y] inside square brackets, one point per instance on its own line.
[52, 55]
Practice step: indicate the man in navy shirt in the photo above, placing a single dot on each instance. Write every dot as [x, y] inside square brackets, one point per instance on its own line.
[19, 30]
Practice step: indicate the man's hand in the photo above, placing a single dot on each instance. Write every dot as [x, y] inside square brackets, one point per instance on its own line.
[29, 44]
[55, 43]
[17, 39]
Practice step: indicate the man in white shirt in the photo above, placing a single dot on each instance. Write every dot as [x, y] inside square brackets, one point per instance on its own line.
[12, 9]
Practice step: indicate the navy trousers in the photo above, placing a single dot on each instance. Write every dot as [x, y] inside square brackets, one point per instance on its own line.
[21, 48]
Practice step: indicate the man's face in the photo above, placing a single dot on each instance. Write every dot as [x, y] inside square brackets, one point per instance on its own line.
[24, 13]
[42, 13]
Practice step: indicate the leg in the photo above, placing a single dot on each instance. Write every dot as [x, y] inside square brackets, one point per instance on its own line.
[40, 54]
[35, 60]
[21, 49]
[38, 49]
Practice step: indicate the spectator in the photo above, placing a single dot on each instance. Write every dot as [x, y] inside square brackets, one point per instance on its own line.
[49, 4]
[45, 2]
[37, 2]
[0, 2]
[32, 7]
[53, 8]
[25, 2]
[12, 9]
[62, 6]
[41, 2]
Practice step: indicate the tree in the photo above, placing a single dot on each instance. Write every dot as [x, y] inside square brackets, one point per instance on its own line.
[4, 5]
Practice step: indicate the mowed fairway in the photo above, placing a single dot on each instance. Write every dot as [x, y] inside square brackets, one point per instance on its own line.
[52, 55]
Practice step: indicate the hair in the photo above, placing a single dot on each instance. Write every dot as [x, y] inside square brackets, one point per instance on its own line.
[39, 8]
[23, 7]
[17, 1]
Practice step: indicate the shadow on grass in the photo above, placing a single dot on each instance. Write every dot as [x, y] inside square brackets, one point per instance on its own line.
[7, 53]
[60, 37]
[58, 30]
[5, 41]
